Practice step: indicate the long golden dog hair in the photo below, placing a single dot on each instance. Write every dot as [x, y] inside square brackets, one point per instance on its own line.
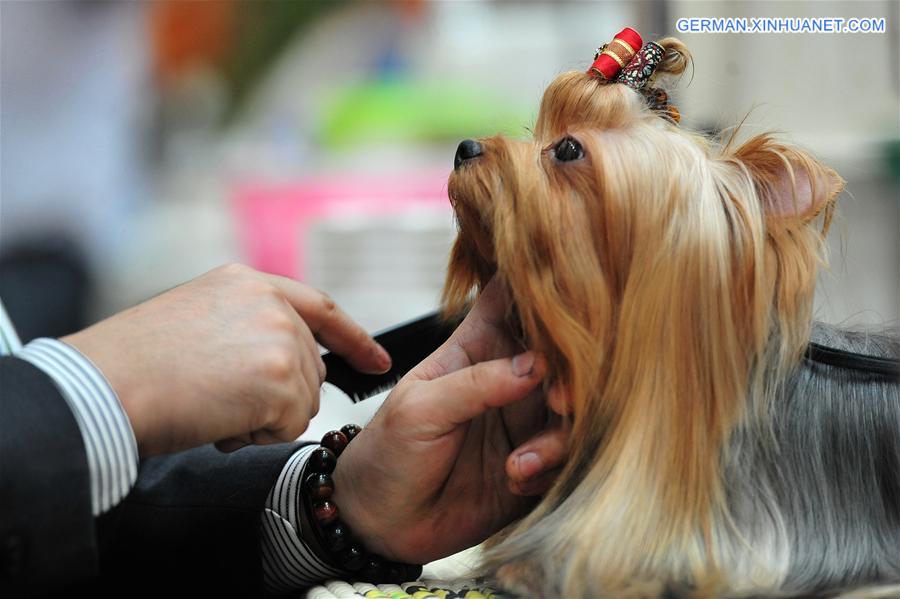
[668, 281]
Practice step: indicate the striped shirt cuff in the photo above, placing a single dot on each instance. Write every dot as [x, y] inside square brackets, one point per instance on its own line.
[109, 441]
[288, 562]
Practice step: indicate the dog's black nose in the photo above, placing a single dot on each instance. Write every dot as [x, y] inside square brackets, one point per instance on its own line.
[468, 149]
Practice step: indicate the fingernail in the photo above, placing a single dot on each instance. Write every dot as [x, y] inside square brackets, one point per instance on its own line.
[384, 358]
[523, 364]
[529, 464]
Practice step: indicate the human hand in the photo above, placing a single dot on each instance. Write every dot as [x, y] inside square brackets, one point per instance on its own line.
[229, 357]
[433, 472]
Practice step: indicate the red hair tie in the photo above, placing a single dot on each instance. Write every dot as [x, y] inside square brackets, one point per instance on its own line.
[614, 56]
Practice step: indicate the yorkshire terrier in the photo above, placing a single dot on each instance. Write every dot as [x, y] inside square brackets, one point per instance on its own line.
[722, 443]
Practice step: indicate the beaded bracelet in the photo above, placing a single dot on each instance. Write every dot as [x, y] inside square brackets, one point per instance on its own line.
[335, 540]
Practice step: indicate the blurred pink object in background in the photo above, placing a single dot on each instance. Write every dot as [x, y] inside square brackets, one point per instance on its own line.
[272, 219]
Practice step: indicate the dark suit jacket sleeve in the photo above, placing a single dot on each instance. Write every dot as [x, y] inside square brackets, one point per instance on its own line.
[46, 527]
[192, 523]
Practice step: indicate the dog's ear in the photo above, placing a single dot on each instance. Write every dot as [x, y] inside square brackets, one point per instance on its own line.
[790, 182]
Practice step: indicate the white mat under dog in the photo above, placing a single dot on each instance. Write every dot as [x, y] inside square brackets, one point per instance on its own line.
[448, 578]
[419, 589]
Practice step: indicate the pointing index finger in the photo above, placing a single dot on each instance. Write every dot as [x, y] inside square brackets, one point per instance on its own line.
[332, 327]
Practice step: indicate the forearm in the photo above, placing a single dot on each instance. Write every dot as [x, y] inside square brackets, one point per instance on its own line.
[109, 441]
[69, 454]
[193, 522]
[46, 521]
[289, 563]
[204, 504]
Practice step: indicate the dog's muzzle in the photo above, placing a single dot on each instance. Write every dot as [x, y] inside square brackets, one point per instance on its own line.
[467, 150]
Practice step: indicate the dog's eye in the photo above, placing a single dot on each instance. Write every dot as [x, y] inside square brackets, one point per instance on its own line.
[568, 149]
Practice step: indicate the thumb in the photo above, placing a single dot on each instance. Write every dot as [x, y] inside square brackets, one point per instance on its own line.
[460, 396]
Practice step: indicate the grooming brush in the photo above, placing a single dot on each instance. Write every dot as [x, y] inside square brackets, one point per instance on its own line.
[408, 344]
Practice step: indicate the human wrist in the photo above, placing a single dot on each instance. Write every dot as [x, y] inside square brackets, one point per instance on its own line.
[354, 512]
[333, 538]
[290, 561]
[119, 378]
[109, 442]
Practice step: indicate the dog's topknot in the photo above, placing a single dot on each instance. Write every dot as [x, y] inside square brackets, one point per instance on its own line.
[579, 100]
[676, 59]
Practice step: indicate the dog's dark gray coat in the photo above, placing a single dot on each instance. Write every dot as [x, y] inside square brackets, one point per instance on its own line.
[826, 481]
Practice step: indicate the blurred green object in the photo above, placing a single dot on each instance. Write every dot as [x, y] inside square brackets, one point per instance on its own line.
[410, 110]
[265, 29]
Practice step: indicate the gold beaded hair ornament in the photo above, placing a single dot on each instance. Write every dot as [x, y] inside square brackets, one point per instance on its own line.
[627, 60]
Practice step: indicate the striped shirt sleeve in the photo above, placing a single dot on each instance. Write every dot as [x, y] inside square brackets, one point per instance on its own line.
[109, 440]
[289, 563]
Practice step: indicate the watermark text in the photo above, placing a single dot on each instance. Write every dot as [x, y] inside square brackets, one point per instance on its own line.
[781, 25]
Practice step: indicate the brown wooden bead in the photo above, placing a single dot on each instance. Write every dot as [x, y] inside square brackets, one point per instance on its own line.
[325, 512]
[395, 573]
[373, 570]
[336, 441]
[337, 537]
[319, 485]
[350, 431]
[353, 558]
[322, 460]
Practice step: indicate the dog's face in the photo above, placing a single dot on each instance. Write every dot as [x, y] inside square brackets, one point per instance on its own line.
[613, 219]
[554, 216]
[653, 269]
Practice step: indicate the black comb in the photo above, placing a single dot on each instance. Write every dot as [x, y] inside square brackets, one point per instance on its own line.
[854, 361]
[408, 343]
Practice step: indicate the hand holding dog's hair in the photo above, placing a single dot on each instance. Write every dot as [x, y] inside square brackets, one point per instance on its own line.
[428, 476]
[247, 368]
